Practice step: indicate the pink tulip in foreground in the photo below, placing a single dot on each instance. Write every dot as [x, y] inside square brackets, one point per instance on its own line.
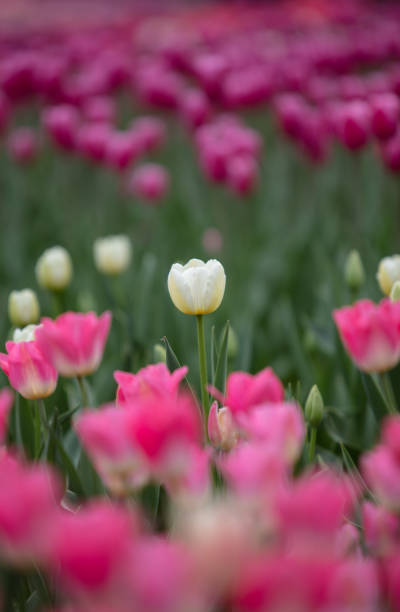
[381, 528]
[90, 548]
[103, 434]
[168, 435]
[29, 498]
[381, 465]
[29, 370]
[279, 424]
[371, 333]
[74, 342]
[153, 380]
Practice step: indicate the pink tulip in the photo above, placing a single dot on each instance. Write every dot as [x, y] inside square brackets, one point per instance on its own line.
[99, 109]
[381, 529]
[149, 182]
[390, 435]
[74, 342]
[92, 141]
[316, 584]
[222, 431]
[354, 125]
[90, 548]
[23, 145]
[242, 174]
[168, 434]
[209, 68]
[162, 576]
[244, 391]
[151, 381]
[253, 469]
[277, 424]
[371, 333]
[390, 152]
[159, 87]
[195, 108]
[290, 109]
[312, 511]
[61, 123]
[29, 370]
[385, 115]
[6, 402]
[17, 75]
[150, 133]
[122, 149]
[391, 577]
[29, 503]
[247, 87]
[381, 470]
[103, 434]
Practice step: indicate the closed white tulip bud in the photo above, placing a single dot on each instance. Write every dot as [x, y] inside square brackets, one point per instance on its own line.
[23, 307]
[112, 254]
[314, 408]
[160, 354]
[354, 271]
[54, 269]
[388, 273]
[197, 288]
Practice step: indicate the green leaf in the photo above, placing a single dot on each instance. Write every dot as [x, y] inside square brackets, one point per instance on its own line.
[74, 481]
[173, 364]
[374, 395]
[221, 369]
[353, 470]
[172, 360]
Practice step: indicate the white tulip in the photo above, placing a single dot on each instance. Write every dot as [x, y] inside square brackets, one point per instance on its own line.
[54, 269]
[23, 307]
[112, 254]
[388, 273]
[26, 334]
[197, 288]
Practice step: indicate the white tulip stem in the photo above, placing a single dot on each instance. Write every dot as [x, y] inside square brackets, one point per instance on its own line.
[201, 345]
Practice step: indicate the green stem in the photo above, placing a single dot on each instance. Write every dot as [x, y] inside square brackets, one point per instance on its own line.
[312, 444]
[387, 388]
[42, 425]
[84, 394]
[201, 345]
[58, 302]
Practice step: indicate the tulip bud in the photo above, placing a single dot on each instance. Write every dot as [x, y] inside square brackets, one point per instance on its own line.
[354, 271]
[54, 269]
[221, 429]
[112, 254]
[160, 354]
[395, 292]
[23, 307]
[197, 288]
[388, 273]
[314, 409]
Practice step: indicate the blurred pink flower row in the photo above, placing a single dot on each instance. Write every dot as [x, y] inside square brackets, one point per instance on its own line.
[238, 548]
